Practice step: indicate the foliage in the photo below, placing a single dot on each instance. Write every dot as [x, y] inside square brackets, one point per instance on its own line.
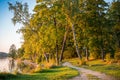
[95, 55]
[21, 14]
[25, 66]
[12, 51]
[69, 53]
[89, 27]
[117, 55]
[50, 64]
[20, 52]
[76, 61]
[108, 57]
[38, 69]
[114, 16]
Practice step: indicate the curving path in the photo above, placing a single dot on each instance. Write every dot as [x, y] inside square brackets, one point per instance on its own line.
[85, 72]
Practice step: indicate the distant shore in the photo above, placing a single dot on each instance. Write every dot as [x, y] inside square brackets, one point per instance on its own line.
[3, 55]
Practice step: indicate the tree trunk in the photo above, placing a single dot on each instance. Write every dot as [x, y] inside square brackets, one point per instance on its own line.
[46, 57]
[102, 53]
[75, 42]
[57, 59]
[63, 46]
[117, 38]
[86, 51]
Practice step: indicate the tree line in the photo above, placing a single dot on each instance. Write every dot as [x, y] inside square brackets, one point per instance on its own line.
[60, 29]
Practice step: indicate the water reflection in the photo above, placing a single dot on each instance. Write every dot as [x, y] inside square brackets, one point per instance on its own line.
[7, 64]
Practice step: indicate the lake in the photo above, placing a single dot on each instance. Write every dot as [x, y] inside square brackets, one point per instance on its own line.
[6, 64]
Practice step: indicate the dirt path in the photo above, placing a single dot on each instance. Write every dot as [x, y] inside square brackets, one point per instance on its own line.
[84, 73]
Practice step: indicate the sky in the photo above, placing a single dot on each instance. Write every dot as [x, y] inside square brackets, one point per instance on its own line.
[8, 35]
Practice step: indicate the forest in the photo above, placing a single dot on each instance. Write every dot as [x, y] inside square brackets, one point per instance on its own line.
[64, 29]
[67, 29]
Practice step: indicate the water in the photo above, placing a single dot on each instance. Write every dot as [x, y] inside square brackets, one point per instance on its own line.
[6, 64]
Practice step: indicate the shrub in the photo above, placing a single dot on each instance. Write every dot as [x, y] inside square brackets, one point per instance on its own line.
[118, 62]
[49, 64]
[27, 69]
[38, 69]
[94, 55]
[117, 55]
[112, 61]
[69, 53]
[26, 66]
[21, 65]
[108, 57]
[83, 62]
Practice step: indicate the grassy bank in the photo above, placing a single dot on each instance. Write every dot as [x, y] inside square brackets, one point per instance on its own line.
[98, 65]
[57, 73]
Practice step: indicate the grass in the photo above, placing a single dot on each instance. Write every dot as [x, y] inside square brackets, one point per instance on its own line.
[57, 73]
[5, 76]
[100, 66]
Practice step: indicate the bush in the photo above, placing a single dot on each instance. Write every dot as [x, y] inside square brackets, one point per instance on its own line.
[38, 69]
[112, 61]
[26, 66]
[118, 62]
[117, 55]
[16, 72]
[50, 64]
[27, 69]
[94, 55]
[20, 65]
[108, 57]
[69, 53]
[83, 62]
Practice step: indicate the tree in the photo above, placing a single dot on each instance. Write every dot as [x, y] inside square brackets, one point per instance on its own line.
[21, 14]
[94, 26]
[12, 51]
[63, 45]
[20, 52]
[71, 9]
[47, 30]
[114, 17]
[81, 26]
